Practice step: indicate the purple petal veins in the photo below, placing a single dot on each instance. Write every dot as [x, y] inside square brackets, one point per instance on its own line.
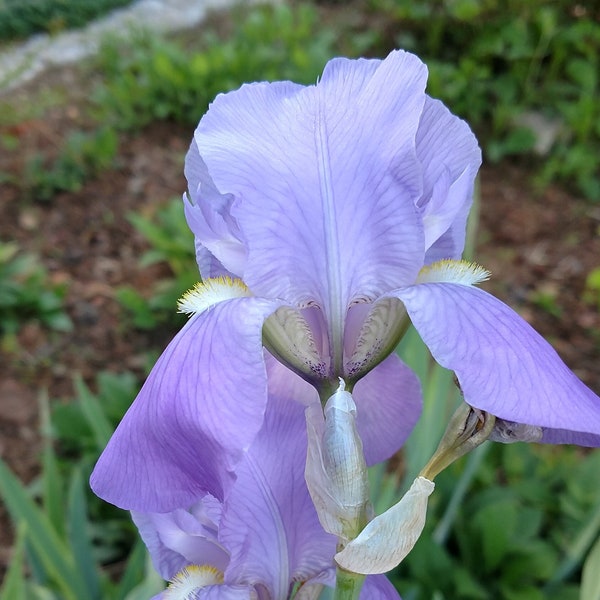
[201, 406]
[503, 365]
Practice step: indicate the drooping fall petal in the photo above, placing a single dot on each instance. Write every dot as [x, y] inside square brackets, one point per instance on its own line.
[199, 409]
[503, 365]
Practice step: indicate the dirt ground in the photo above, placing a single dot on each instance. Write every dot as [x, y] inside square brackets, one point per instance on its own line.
[537, 246]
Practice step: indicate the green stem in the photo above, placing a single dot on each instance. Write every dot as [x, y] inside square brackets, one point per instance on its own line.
[347, 585]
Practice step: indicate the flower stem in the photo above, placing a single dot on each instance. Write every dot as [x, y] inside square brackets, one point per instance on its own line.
[347, 585]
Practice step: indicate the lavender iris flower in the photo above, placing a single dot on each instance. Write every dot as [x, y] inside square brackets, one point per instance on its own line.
[341, 209]
[263, 538]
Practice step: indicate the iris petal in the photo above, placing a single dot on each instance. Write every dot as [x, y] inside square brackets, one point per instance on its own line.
[208, 216]
[177, 539]
[389, 402]
[269, 522]
[450, 158]
[224, 592]
[564, 436]
[200, 407]
[503, 365]
[325, 207]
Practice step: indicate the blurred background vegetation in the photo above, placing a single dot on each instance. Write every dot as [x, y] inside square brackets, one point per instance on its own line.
[509, 522]
[22, 18]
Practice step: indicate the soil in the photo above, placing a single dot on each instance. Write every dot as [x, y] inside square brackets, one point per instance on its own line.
[539, 246]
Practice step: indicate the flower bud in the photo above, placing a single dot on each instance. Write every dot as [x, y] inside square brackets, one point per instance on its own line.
[336, 471]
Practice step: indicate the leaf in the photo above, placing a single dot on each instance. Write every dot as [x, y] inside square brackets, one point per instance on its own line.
[14, 582]
[46, 543]
[52, 489]
[52, 483]
[134, 571]
[497, 523]
[116, 392]
[151, 584]
[459, 492]
[522, 593]
[590, 579]
[94, 414]
[440, 397]
[79, 539]
[38, 592]
[587, 535]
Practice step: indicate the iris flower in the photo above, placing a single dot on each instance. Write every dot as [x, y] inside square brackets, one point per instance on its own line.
[327, 218]
[263, 541]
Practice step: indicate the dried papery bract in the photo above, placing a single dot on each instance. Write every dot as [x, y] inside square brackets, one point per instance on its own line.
[336, 471]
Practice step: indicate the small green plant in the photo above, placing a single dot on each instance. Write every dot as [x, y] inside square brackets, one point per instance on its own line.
[21, 18]
[83, 156]
[525, 76]
[27, 294]
[158, 79]
[546, 298]
[82, 428]
[172, 243]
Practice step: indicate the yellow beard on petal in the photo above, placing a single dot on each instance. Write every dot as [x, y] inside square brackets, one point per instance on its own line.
[191, 579]
[453, 271]
[209, 292]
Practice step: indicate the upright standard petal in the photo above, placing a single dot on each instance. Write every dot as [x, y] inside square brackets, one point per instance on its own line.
[208, 216]
[450, 157]
[200, 408]
[503, 365]
[269, 523]
[326, 207]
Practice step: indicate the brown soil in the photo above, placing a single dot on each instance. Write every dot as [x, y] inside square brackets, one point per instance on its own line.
[538, 246]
